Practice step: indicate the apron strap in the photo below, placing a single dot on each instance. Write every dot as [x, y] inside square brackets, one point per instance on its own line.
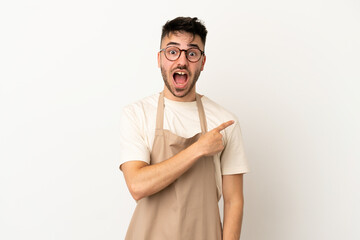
[201, 114]
[160, 113]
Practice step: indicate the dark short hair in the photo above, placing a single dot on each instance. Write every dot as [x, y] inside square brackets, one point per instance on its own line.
[185, 24]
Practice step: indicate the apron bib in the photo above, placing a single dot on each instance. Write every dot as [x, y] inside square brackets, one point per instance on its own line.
[187, 209]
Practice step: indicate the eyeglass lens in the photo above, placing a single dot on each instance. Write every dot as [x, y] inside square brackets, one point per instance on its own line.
[173, 53]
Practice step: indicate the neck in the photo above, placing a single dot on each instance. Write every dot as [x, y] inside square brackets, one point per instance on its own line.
[191, 96]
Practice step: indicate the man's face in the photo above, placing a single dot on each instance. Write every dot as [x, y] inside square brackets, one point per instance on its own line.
[180, 75]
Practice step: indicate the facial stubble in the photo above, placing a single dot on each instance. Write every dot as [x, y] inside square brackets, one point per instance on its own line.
[167, 84]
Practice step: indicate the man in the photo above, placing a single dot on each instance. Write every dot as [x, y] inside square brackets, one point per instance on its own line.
[175, 168]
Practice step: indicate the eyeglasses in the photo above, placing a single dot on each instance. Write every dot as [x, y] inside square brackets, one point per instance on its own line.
[173, 53]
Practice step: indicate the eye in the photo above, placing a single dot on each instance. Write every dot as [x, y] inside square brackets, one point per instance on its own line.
[192, 54]
[172, 51]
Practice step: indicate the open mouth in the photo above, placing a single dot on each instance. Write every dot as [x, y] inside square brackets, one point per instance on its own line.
[180, 79]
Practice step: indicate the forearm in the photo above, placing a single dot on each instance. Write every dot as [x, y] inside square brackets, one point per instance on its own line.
[144, 180]
[233, 214]
[153, 178]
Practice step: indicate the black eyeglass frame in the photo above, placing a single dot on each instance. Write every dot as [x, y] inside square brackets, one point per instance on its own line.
[185, 50]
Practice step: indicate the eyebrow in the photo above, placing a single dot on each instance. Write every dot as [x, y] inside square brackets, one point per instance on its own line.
[178, 44]
[173, 43]
[193, 45]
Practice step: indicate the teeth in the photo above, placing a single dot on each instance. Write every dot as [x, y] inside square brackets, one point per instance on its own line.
[180, 73]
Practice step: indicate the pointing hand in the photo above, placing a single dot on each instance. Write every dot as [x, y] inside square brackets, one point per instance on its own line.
[211, 143]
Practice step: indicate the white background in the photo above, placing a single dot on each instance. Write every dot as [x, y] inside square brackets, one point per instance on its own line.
[288, 69]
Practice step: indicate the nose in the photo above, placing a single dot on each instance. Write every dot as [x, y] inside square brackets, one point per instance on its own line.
[182, 60]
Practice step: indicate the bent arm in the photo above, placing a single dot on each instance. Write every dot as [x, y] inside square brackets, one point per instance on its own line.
[144, 180]
[233, 206]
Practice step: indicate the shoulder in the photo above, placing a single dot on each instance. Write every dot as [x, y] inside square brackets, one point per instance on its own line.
[217, 114]
[141, 107]
[217, 111]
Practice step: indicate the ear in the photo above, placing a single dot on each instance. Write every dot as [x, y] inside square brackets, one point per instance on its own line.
[158, 59]
[203, 62]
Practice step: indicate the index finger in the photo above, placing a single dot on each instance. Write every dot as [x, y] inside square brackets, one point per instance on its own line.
[224, 125]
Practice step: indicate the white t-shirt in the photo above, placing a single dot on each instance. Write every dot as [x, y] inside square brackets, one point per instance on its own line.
[138, 123]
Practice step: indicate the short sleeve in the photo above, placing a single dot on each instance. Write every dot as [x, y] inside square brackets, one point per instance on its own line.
[132, 143]
[233, 159]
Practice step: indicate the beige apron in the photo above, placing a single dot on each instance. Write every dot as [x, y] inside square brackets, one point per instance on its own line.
[187, 209]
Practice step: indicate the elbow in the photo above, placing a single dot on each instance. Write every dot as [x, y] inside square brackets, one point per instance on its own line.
[136, 180]
[136, 191]
[136, 196]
